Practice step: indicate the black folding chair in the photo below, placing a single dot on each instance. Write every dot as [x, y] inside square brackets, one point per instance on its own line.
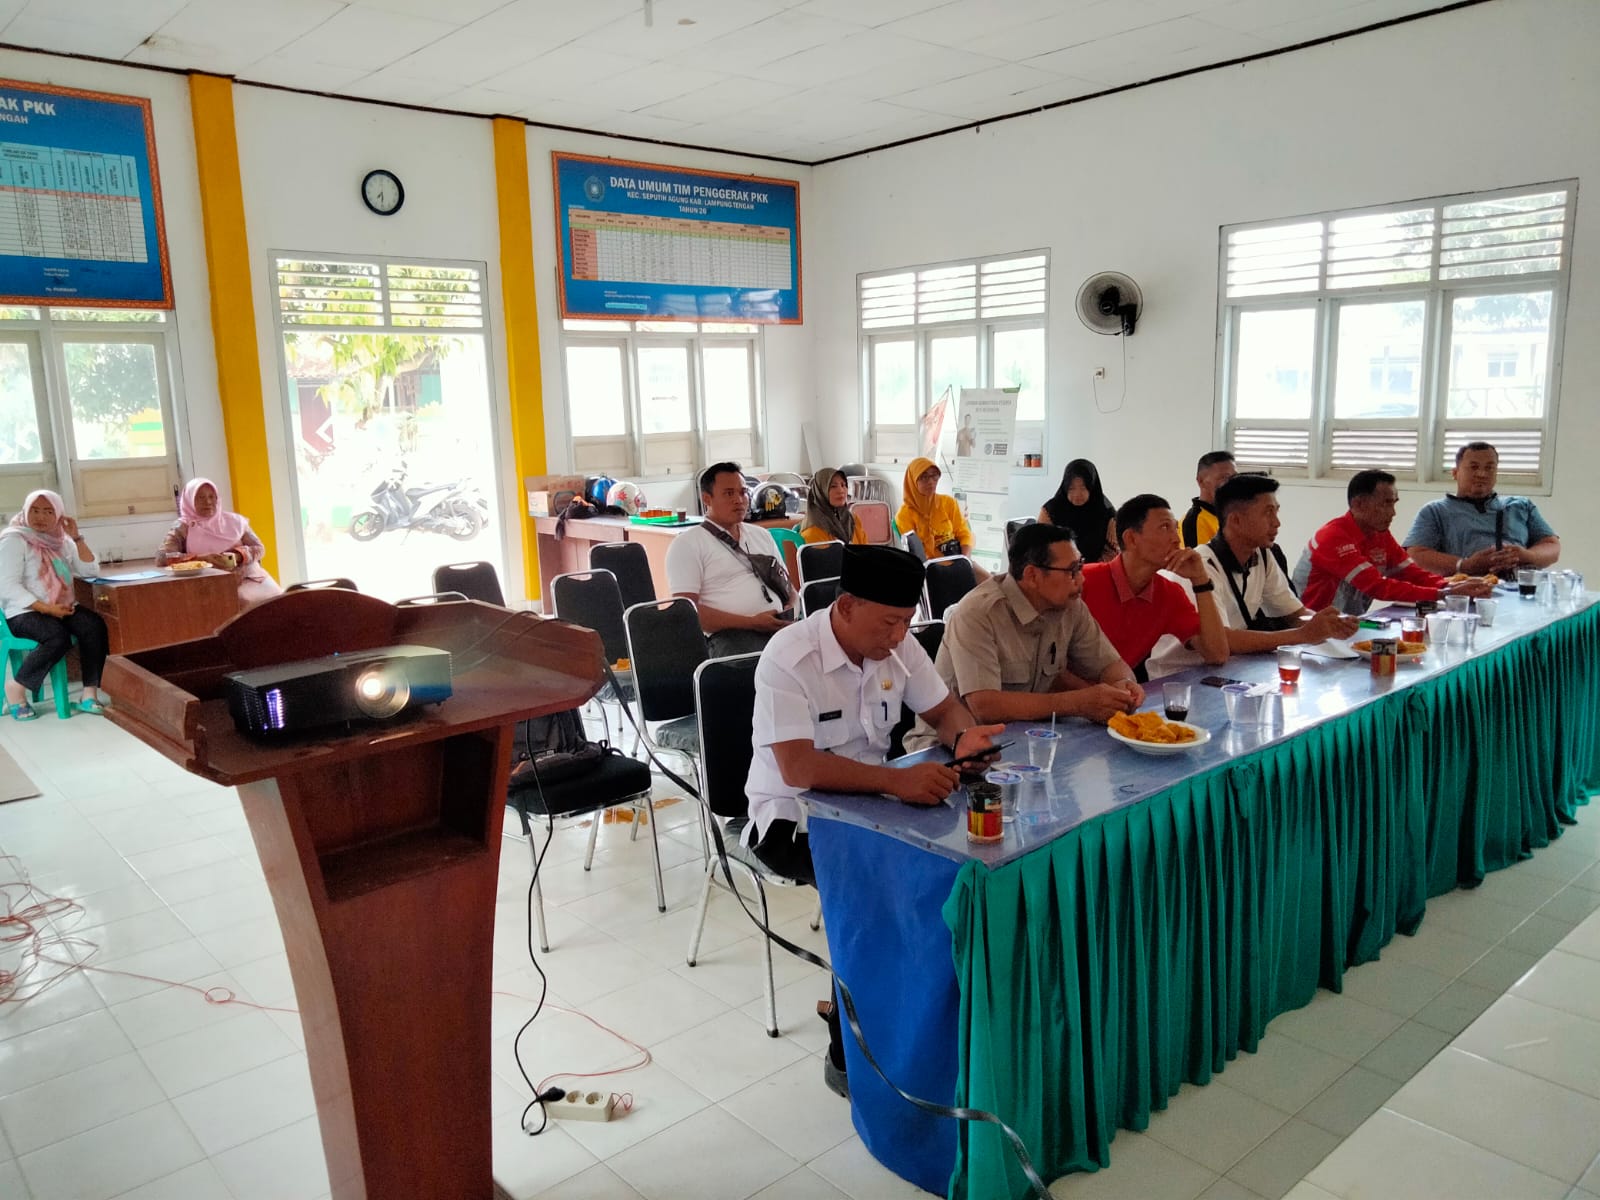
[1017, 523]
[631, 566]
[914, 545]
[590, 599]
[665, 644]
[820, 560]
[817, 595]
[313, 585]
[616, 781]
[474, 580]
[947, 581]
[726, 688]
[930, 634]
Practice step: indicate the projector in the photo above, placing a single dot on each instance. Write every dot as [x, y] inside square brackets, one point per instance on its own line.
[341, 689]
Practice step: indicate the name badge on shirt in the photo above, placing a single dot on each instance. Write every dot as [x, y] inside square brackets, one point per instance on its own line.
[831, 716]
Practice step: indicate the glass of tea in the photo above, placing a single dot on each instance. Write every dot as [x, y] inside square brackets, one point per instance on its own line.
[1289, 664]
[1175, 698]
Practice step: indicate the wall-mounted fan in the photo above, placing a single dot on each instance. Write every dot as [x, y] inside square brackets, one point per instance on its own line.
[1110, 302]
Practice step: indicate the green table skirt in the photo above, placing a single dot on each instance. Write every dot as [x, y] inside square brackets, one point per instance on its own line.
[1148, 947]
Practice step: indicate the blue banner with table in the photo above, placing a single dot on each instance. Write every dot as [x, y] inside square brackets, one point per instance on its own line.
[1146, 917]
[644, 242]
[80, 200]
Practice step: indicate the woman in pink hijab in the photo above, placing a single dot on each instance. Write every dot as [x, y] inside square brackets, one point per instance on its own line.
[40, 552]
[206, 532]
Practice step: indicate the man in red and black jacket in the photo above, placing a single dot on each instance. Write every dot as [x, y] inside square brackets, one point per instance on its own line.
[1354, 560]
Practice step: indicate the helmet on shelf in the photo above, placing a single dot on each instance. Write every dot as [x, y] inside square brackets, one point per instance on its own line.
[626, 496]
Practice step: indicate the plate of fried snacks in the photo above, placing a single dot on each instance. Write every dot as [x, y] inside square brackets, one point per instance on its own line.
[1150, 733]
[1462, 577]
[1406, 652]
[188, 566]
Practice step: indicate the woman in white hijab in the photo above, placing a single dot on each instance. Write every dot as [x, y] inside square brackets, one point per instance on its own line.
[40, 551]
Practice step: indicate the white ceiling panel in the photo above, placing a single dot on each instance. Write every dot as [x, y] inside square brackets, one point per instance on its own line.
[730, 95]
[72, 37]
[677, 26]
[655, 84]
[982, 94]
[755, 45]
[871, 13]
[869, 50]
[958, 24]
[804, 78]
[569, 71]
[298, 73]
[919, 69]
[143, 15]
[1254, 16]
[366, 37]
[456, 12]
[392, 83]
[487, 101]
[225, 35]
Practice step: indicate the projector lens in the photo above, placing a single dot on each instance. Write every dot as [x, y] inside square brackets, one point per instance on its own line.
[382, 691]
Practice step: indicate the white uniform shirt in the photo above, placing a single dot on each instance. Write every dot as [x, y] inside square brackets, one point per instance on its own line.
[808, 690]
[704, 566]
[1264, 586]
[18, 591]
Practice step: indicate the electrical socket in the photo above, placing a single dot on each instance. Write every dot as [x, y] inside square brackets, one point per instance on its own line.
[584, 1106]
[1099, 372]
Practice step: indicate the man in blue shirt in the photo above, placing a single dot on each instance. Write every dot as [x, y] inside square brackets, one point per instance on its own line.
[1477, 531]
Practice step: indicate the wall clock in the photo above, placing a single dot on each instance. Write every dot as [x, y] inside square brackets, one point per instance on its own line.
[382, 192]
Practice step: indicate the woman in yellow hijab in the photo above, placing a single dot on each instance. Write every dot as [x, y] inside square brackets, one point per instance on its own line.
[936, 519]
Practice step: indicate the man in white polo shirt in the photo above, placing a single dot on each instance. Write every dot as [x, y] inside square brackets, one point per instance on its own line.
[828, 693]
[729, 568]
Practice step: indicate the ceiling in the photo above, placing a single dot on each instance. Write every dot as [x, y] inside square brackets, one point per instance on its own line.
[805, 80]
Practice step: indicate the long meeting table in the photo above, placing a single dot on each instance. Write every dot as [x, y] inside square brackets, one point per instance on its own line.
[1146, 917]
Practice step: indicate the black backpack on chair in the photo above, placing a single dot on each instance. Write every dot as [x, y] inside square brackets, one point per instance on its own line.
[553, 749]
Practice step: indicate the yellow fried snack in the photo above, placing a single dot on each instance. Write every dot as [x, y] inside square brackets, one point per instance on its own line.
[193, 564]
[1149, 727]
[1492, 580]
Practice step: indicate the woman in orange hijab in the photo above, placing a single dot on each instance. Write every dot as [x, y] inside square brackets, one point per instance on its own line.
[934, 518]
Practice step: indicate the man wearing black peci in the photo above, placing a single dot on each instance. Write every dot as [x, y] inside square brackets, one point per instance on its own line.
[828, 693]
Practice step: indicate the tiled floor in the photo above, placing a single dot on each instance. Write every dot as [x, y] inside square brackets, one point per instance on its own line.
[115, 1086]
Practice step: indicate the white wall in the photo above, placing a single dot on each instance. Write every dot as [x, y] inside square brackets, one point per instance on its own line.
[301, 162]
[199, 417]
[1496, 95]
[790, 385]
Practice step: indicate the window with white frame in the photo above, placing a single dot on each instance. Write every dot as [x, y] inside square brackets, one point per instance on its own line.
[86, 408]
[979, 323]
[1388, 337]
[659, 399]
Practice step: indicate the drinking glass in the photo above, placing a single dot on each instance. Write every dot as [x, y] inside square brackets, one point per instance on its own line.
[1527, 582]
[1042, 745]
[1486, 609]
[1175, 698]
[1289, 664]
[1459, 605]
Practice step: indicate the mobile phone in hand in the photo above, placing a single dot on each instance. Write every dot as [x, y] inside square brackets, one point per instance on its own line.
[1218, 681]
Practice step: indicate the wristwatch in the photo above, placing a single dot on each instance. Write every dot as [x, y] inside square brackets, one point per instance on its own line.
[1200, 588]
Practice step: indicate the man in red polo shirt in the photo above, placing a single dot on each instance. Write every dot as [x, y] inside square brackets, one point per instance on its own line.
[1135, 606]
[1354, 559]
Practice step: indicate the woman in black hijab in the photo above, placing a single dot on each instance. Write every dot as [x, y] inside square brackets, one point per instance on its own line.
[1080, 505]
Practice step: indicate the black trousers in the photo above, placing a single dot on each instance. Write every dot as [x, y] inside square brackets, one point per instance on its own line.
[54, 635]
[788, 852]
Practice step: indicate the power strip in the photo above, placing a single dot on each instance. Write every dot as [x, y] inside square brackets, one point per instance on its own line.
[583, 1106]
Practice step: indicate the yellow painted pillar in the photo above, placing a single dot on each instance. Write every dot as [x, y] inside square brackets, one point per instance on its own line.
[233, 309]
[521, 324]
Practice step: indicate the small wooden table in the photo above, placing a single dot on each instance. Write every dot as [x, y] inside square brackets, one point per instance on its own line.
[158, 609]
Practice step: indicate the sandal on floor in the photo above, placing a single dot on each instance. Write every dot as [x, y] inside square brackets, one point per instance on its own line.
[22, 712]
[89, 705]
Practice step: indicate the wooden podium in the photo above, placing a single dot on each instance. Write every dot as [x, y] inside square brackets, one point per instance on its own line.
[381, 848]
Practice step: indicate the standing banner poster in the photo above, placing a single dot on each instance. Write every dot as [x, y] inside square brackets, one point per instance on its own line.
[985, 429]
